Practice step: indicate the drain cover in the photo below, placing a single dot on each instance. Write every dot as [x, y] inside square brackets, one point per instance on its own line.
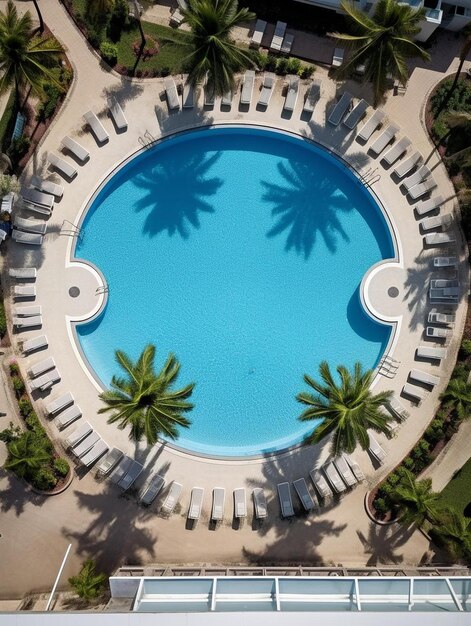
[74, 292]
[393, 292]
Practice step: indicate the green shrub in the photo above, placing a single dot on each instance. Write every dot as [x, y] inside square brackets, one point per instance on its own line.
[282, 67]
[459, 101]
[18, 148]
[109, 52]
[270, 65]
[420, 452]
[3, 320]
[25, 407]
[440, 128]
[61, 467]
[293, 65]
[10, 434]
[408, 463]
[18, 386]
[33, 423]
[306, 71]
[44, 479]
[118, 19]
[14, 369]
[262, 60]
[466, 347]
[46, 107]
[380, 505]
[7, 122]
[393, 479]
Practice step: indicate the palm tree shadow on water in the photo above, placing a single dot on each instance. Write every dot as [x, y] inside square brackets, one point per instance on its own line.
[305, 207]
[177, 193]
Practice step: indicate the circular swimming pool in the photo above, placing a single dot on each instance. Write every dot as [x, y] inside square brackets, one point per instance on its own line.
[241, 250]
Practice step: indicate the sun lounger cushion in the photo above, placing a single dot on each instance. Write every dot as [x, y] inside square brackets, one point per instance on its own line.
[260, 503]
[340, 108]
[65, 418]
[27, 238]
[117, 114]
[152, 489]
[35, 344]
[113, 457]
[63, 166]
[96, 126]
[95, 452]
[196, 501]
[172, 497]
[240, 505]
[371, 125]
[247, 87]
[77, 149]
[47, 186]
[286, 504]
[78, 434]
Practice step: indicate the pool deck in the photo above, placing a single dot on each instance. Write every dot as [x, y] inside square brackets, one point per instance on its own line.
[94, 516]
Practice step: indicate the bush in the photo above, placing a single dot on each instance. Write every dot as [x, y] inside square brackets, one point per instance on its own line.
[408, 463]
[459, 101]
[262, 60]
[18, 148]
[282, 67]
[381, 506]
[3, 320]
[33, 423]
[14, 369]
[466, 347]
[61, 467]
[118, 19]
[420, 452]
[47, 106]
[44, 479]
[109, 52]
[25, 407]
[440, 128]
[165, 71]
[306, 71]
[393, 479]
[293, 65]
[270, 65]
[10, 434]
[18, 386]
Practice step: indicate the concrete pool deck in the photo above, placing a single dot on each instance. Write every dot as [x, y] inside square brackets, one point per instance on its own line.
[95, 517]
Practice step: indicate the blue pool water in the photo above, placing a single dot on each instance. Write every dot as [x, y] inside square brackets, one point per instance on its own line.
[242, 251]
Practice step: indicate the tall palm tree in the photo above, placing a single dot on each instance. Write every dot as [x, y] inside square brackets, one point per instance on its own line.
[88, 584]
[348, 408]
[454, 530]
[458, 396]
[25, 60]
[145, 400]
[213, 54]
[24, 454]
[382, 43]
[416, 501]
[40, 17]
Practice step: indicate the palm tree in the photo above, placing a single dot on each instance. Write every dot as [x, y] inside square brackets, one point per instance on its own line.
[40, 17]
[458, 396]
[213, 54]
[24, 454]
[348, 409]
[89, 583]
[416, 500]
[145, 400]
[382, 43]
[25, 60]
[454, 530]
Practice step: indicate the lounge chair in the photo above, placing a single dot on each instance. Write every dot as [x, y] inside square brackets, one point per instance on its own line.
[27, 322]
[268, 84]
[45, 381]
[188, 98]
[371, 125]
[345, 471]
[65, 418]
[278, 36]
[337, 57]
[312, 96]
[342, 106]
[257, 35]
[24, 291]
[444, 283]
[110, 461]
[119, 470]
[320, 484]
[30, 226]
[131, 475]
[439, 221]
[86, 444]
[445, 261]
[356, 469]
[405, 166]
[42, 366]
[172, 498]
[435, 317]
[27, 311]
[439, 239]
[240, 504]
[398, 149]
[151, 490]
[435, 354]
[35, 344]
[260, 503]
[356, 114]
[424, 377]
[384, 139]
[284, 496]
[217, 512]
[117, 114]
[79, 433]
[334, 477]
[22, 272]
[425, 206]
[209, 96]
[177, 17]
[417, 177]
[226, 100]
[422, 188]
[437, 333]
[287, 44]
[445, 293]
[417, 393]
[61, 165]
[95, 452]
[375, 449]
[7, 202]
[32, 239]
[97, 127]
[396, 408]
[75, 148]
[247, 87]
[38, 198]
[59, 404]
[303, 494]
[196, 503]
[47, 186]
[292, 93]
[171, 92]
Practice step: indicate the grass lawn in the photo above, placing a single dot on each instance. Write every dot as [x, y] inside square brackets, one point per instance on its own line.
[457, 494]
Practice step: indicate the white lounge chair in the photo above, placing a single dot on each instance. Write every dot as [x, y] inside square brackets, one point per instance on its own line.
[303, 494]
[334, 477]
[27, 322]
[117, 114]
[337, 57]
[97, 127]
[437, 333]
[22, 273]
[339, 110]
[398, 149]
[422, 188]
[32, 239]
[75, 148]
[45, 381]
[278, 36]
[257, 35]
[37, 198]
[268, 84]
[219, 496]
[405, 166]
[312, 96]
[120, 469]
[172, 498]
[27, 311]
[42, 366]
[35, 344]
[424, 377]
[435, 317]
[209, 97]
[287, 44]
[47, 186]
[65, 418]
[286, 503]
[371, 125]
[96, 451]
[345, 471]
[177, 17]
[260, 503]
[439, 221]
[247, 87]
[131, 475]
[30, 226]
[435, 354]
[86, 444]
[77, 435]
[426, 206]
[61, 165]
[375, 449]
[24, 291]
[356, 469]
[188, 98]
[444, 283]
[439, 239]
[292, 92]
[172, 93]
[240, 504]
[396, 408]
[59, 404]
[196, 503]
[384, 139]
[445, 293]
[320, 484]
[417, 177]
[417, 393]
[110, 461]
[445, 261]
[356, 114]
[151, 490]
[226, 100]
[7, 202]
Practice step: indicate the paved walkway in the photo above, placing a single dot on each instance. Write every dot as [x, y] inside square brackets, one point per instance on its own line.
[94, 516]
